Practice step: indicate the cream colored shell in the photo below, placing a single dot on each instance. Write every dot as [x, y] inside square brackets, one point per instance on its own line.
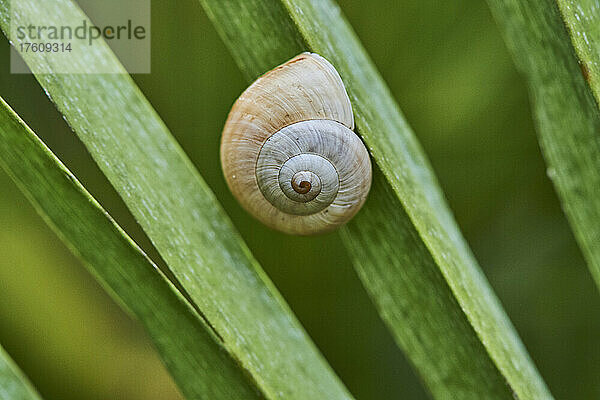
[288, 151]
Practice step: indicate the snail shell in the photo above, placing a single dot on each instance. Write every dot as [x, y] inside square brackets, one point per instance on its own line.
[288, 151]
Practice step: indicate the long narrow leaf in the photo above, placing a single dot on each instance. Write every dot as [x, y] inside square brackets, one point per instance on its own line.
[582, 17]
[406, 245]
[567, 116]
[179, 214]
[569, 122]
[194, 355]
[13, 383]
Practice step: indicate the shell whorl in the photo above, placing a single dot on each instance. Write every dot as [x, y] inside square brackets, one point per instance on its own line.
[288, 151]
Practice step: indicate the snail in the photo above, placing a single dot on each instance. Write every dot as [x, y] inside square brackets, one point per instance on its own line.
[288, 150]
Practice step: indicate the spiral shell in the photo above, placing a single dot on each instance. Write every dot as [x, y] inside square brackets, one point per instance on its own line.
[288, 151]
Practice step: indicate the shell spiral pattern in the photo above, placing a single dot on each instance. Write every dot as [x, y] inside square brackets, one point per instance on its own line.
[288, 151]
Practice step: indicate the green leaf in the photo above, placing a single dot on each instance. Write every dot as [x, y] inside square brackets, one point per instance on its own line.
[575, 162]
[194, 355]
[179, 213]
[14, 385]
[566, 113]
[582, 17]
[406, 246]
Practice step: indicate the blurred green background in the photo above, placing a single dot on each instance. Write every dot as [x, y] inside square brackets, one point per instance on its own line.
[449, 70]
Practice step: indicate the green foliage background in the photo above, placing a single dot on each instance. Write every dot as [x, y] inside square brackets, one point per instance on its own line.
[449, 70]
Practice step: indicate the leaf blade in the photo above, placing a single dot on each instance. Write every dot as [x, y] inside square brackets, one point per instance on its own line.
[120, 265]
[582, 17]
[578, 191]
[565, 111]
[14, 384]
